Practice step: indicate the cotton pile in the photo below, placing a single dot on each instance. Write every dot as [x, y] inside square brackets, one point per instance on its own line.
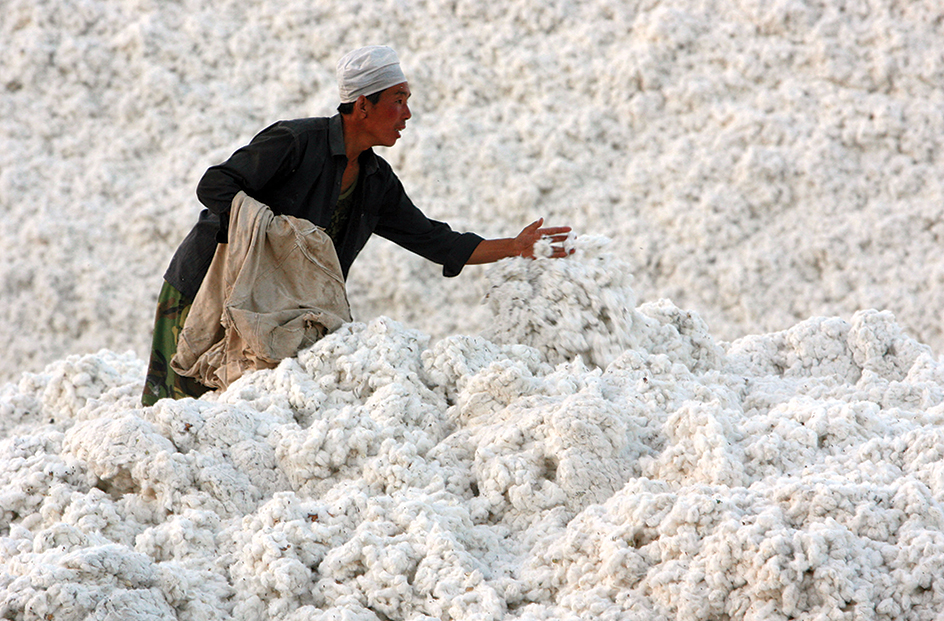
[383, 474]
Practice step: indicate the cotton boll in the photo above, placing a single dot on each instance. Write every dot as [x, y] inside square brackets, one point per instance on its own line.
[18, 407]
[840, 425]
[479, 601]
[140, 510]
[288, 577]
[182, 537]
[66, 388]
[258, 461]
[596, 448]
[451, 361]
[493, 388]
[683, 335]
[62, 599]
[653, 387]
[682, 580]
[277, 549]
[397, 467]
[288, 388]
[452, 459]
[341, 442]
[544, 247]
[329, 447]
[33, 472]
[921, 389]
[919, 454]
[613, 545]
[538, 453]
[916, 560]
[178, 420]
[344, 598]
[133, 458]
[133, 605]
[226, 426]
[778, 444]
[360, 358]
[280, 584]
[880, 345]
[231, 492]
[60, 537]
[230, 445]
[240, 434]
[411, 553]
[132, 438]
[112, 561]
[77, 583]
[813, 348]
[579, 306]
[703, 447]
[195, 593]
[755, 355]
[411, 412]
[95, 513]
[236, 433]
[78, 379]
[804, 433]
[828, 555]
[867, 510]
[18, 541]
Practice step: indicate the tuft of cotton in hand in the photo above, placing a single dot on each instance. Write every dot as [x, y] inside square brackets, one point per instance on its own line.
[544, 248]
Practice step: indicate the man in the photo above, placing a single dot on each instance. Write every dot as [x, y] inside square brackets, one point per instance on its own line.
[323, 170]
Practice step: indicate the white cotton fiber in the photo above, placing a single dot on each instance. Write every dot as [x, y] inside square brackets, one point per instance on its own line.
[574, 307]
[727, 403]
[792, 473]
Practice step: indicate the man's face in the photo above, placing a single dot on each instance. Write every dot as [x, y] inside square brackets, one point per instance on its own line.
[387, 118]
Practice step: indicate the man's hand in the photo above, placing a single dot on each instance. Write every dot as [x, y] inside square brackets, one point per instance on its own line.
[533, 233]
[491, 250]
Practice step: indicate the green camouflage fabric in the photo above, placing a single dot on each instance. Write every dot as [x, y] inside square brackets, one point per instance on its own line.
[162, 382]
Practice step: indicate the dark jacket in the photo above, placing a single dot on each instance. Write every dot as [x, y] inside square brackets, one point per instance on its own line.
[295, 168]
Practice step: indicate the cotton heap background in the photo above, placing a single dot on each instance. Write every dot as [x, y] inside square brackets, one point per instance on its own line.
[758, 162]
[599, 439]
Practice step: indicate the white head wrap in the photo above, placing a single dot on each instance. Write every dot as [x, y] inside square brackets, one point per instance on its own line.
[368, 70]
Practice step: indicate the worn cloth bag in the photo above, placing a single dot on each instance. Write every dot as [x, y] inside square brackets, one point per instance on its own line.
[273, 290]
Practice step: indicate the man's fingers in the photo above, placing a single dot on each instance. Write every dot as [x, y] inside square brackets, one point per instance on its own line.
[556, 230]
[557, 235]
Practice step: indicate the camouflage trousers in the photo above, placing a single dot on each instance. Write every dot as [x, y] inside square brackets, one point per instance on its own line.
[162, 381]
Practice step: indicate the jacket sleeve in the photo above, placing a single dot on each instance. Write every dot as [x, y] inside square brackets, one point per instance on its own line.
[269, 157]
[404, 224]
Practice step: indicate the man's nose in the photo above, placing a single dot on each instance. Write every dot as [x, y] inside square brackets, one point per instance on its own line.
[407, 114]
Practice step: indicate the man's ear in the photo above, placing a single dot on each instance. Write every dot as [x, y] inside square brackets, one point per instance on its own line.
[360, 106]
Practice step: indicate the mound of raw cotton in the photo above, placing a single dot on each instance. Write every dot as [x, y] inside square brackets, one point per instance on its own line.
[645, 472]
[586, 307]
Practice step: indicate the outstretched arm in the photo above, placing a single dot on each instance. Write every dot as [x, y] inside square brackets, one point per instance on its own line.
[491, 250]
